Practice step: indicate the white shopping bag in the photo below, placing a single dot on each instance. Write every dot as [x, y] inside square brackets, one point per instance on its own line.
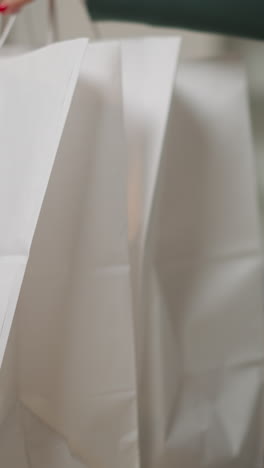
[198, 277]
[171, 278]
[76, 359]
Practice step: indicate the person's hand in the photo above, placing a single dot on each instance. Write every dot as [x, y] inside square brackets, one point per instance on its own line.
[9, 7]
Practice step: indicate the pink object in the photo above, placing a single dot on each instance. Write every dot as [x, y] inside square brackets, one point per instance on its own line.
[3, 8]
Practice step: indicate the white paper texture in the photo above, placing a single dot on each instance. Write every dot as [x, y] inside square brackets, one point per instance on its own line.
[139, 334]
[78, 294]
[35, 93]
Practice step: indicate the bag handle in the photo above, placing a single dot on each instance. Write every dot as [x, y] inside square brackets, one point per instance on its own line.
[53, 30]
[52, 35]
[6, 29]
[95, 34]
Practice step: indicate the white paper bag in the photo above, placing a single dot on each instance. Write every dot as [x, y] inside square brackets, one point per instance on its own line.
[76, 360]
[171, 278]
